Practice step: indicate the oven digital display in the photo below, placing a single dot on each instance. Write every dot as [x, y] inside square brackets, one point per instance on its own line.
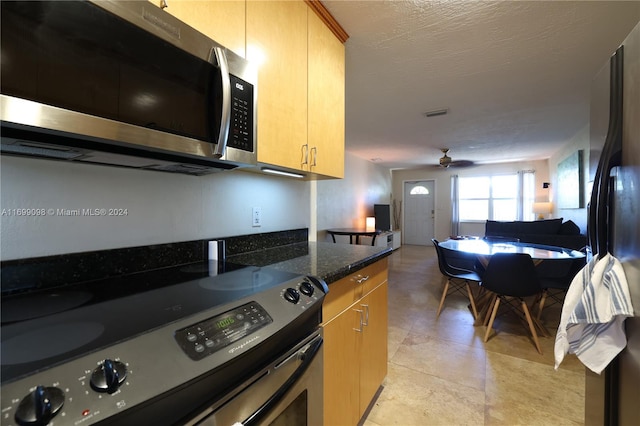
[213, 334]
[225, 322]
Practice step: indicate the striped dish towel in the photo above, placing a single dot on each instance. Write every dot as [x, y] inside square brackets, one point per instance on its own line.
[593, 314]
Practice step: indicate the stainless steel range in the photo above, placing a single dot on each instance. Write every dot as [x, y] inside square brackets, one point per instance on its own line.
[183, 345]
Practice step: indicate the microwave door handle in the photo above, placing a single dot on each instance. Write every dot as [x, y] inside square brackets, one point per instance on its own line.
[218, 54]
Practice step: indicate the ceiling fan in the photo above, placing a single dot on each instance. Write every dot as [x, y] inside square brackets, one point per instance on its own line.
[446, 161]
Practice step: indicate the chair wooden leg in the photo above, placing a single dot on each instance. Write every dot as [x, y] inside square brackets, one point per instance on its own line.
[473, 303]
[493, 317]
[482, 302]
[444, 294]
[541, 303]
[531, 326]
[492, 301]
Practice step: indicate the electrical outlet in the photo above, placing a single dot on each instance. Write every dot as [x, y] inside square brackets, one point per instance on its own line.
[256, 217]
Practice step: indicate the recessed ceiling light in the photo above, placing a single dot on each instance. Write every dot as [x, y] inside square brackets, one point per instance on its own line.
[436, 112]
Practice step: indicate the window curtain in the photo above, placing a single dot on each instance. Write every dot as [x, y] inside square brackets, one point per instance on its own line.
[526, 194]
[455, 207]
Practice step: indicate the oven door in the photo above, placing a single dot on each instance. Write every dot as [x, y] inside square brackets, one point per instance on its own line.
[288, 391]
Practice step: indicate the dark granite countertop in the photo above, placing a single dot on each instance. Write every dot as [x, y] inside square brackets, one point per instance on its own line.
[328, 261]
[287, 250]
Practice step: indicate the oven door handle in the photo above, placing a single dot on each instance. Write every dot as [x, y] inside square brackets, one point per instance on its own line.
[306, 355]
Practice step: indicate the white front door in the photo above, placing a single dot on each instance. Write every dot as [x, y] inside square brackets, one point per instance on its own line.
[419, 212]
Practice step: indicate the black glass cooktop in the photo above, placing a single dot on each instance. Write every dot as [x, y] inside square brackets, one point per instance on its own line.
[44, 328]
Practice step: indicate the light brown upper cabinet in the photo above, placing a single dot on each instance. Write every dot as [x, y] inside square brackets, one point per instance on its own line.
[300, 88]
[325, 113]
[222, 21]
[277, 42]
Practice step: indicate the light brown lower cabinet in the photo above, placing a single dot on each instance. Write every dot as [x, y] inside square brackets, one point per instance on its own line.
[355, 321]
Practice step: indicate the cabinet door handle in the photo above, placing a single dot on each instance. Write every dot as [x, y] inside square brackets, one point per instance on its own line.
[305, 154]
[362, 279]
[366, 315]
[359, 330]
[314, 156]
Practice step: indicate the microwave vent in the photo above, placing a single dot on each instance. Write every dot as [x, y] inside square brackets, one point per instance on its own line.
[49, 151]
[189, 169]
[108, 158]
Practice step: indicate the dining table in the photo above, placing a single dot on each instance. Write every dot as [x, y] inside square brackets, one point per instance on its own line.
[355, 232]
[483, 250]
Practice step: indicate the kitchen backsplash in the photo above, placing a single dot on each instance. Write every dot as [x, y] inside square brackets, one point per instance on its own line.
[58, 270]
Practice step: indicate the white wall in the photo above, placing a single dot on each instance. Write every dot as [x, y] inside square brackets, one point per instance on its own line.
[442, 178]
[579, 142]
[346, 203]
[161, 207]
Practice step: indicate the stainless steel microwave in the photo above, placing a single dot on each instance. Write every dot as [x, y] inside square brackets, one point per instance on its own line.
[125, 84]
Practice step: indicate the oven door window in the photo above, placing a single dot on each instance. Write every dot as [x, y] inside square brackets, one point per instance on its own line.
[76, 56]
[294, 414]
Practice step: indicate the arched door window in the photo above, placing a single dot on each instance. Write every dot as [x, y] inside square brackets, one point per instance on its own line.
[419, 190]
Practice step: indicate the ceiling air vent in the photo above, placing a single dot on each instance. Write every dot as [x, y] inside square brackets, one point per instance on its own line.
[436, 112]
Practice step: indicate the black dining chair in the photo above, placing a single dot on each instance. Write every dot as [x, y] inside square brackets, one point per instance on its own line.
[511, 277]
[555, 286]
[458, 279]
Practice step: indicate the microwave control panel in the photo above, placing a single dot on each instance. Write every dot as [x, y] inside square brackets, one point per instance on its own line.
[241, 128]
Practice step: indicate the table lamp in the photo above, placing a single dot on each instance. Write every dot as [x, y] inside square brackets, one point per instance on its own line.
[542, 209]
[370, 223]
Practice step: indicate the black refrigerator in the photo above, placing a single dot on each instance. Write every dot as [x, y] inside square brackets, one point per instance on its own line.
[613, 398]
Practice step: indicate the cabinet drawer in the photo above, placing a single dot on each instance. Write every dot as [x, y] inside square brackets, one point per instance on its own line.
[345, 292]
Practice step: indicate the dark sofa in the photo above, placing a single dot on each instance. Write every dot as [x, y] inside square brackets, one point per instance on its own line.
[552, 232]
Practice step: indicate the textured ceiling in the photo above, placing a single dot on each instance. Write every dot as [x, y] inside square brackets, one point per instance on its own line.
[515, 75]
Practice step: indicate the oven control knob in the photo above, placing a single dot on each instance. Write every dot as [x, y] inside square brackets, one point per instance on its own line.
[40, 406]
[108, 376]
[292, 295]
[306, 288]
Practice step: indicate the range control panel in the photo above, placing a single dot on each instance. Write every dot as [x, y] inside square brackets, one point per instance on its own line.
[213, 334]
[110, 381]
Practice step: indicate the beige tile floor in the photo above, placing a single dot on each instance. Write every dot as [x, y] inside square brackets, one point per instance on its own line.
[442, 373]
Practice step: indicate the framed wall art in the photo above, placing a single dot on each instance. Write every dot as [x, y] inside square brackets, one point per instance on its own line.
[571, 182]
